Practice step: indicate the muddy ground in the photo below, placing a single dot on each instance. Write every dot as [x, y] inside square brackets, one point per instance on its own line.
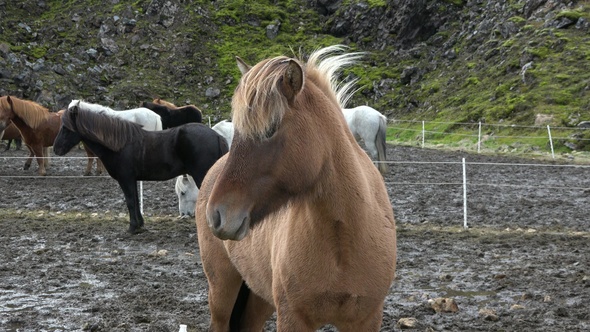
[67, 263]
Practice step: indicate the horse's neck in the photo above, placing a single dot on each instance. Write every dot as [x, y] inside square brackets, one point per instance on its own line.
[98, 149]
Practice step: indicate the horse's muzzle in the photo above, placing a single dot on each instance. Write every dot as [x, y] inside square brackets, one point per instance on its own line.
[228, 226]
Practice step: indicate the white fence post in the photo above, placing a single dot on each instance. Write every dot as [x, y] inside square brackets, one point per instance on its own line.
[422, 134]
[479, 138]
[141, 197]
[551, 142]
[464, 195]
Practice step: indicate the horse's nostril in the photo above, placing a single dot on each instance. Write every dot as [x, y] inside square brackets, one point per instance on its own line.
[216, 220]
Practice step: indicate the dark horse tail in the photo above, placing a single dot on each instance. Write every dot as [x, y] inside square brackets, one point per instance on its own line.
[239, 308]
[380, 139]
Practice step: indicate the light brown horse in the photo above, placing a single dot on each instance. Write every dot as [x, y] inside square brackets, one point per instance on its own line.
[296, 210]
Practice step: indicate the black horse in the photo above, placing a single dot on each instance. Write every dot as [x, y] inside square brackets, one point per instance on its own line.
[131, 154]
[174, 117]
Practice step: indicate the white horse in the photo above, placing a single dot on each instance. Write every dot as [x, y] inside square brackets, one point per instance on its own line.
[187, 192]
[149, 119]
[369, 125]
[225, 128]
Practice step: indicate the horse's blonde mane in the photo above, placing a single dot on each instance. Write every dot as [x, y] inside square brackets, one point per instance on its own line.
[258, 103]
[30, 112]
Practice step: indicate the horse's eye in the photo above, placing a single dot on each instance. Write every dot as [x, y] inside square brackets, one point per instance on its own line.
[182, 192]
[272, 130]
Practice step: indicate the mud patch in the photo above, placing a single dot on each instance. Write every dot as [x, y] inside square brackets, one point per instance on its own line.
[68, 263]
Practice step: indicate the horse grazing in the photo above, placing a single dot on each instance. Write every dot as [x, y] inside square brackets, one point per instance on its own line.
[143, 116]
[296, 218]
[174, 117]
[187, 192]
[226, 129]
[370, 125]
[36, 124]
[131, 154]
[11, 133]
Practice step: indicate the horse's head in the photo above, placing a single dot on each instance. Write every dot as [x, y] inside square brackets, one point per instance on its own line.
[187, 193]
[6, 112]
[68, 135]
[281, 146]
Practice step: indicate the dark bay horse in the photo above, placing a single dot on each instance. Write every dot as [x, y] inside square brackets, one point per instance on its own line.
[37, 125]
[131, 154]
[173, 117]
[297, 211]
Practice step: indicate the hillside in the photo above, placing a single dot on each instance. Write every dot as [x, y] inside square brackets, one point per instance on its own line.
[498, 61]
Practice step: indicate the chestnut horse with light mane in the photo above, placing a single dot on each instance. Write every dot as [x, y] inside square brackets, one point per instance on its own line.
[37, 125]
[296, 219]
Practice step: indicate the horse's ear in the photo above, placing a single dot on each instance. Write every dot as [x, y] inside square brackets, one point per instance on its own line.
[292, 81]
[242, 65]
[9, 100]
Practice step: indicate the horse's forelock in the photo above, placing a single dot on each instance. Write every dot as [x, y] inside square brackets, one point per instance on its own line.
[258, 103]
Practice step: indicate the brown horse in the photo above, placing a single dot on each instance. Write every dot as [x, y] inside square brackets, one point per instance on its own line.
[296, 218]
[37, 125]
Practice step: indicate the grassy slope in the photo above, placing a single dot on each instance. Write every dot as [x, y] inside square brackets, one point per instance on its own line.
[476, 86]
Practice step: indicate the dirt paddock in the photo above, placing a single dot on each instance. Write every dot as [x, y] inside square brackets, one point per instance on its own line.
[522, 265]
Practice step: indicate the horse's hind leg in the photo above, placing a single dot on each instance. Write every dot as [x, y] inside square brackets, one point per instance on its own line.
[99, 167]
[88, 169]
[30, 159]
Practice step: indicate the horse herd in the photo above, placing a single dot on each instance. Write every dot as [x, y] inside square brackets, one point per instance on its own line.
[293, 219]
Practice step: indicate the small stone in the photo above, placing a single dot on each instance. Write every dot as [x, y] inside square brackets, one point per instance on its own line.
[407, 323]
[441, 304]
[488, 314]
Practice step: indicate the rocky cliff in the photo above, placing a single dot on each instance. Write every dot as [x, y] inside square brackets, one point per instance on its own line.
[455, 60]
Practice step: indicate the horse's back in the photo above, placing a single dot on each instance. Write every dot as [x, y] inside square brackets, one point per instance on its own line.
[201, 146]
[363, 118]
[226, 129]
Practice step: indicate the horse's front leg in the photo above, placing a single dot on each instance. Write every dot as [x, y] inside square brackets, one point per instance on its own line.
[129, 188]
[40, 153]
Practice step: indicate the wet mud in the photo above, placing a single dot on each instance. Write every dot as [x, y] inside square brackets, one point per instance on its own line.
[522, 265]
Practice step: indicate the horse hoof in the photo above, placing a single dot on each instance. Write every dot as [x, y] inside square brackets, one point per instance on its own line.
[137, 230]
